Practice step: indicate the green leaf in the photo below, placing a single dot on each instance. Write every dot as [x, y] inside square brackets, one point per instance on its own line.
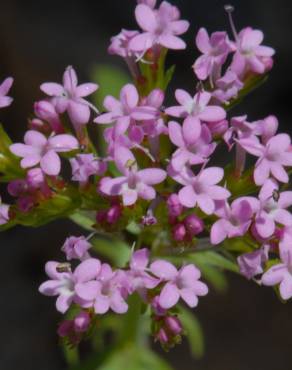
[9, 164]
[134, 358]
[194, 332]
[215, 277]
[110, 79]
[84, 219]
[168, 76]
[61, 205]
[214, 259]
[117, 251]
[250, 84]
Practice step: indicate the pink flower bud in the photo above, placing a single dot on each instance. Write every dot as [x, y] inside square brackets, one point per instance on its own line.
[37, 124]
[65, 328]
[17, 187]
[82, 322]
[25, 203]
[113, 214]
[35, 178]
[193, 224]
[174, 206]
[162, 336]
[218, 128]
[173, 324]
[179, 232]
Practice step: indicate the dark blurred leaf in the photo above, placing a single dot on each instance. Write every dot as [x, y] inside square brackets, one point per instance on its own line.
[193, 331]
[251, 84]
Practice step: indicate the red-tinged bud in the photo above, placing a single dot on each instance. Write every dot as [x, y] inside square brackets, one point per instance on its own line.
[179, 232]
[193, 224]
[173, 324]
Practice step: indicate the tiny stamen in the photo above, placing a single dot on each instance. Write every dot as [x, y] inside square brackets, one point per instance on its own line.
[229, 10]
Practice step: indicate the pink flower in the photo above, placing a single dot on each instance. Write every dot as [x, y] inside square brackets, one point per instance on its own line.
[106, 292]
[76, 247]
[240, 128]
[134, 183]
[138, 276]
[124, 110]
[5, 100]
[234, 221]
[37, 149]
[4, 213]
[227, 87]
[196, 106]
[215, 50]
[273, 157]
[183, 284]
[150, 3]
[272, 208]
[250, 54]
[251, 264]
[155, 126]
[281, 274]
[69, 97]
[120, 44]
[201, 190]
[193, 140]
[86, 165]
[63, 284]
[45, 110]
[161, 27]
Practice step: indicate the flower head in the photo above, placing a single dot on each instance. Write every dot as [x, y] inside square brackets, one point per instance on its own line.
[183, 284]
[197, 106]
[134, 183]
[161, 27]
[273, 157]
[63, 284]
[235, 220]
[37, 149]
[250, 54]
[201, 190]
[215, 50]
[69, 97]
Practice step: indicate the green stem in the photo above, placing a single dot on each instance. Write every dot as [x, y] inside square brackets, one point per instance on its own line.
[131, 331]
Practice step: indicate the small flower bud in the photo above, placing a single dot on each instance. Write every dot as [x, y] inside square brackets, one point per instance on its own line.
[113, 214]
[193, 224]
[173, 324]
[65, 328]
[17, 187]
[82, 322]
[218, 128]
[179, 232]
[35, 178]
[174, 206]
[162, 336]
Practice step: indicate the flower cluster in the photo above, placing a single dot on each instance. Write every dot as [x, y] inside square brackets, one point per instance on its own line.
[154, 179]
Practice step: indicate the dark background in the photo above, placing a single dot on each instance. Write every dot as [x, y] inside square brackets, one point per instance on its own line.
[246, 329]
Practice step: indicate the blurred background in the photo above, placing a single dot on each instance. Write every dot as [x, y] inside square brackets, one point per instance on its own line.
[246, 328]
